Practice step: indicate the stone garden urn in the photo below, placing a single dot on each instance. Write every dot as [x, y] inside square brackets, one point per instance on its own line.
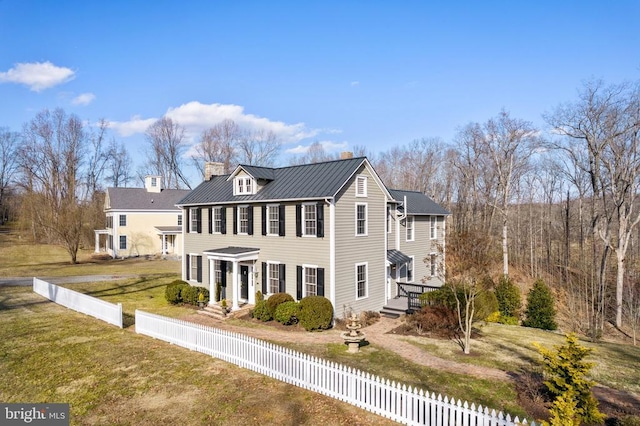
[354, 336]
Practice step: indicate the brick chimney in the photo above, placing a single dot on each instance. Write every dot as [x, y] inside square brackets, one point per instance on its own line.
[345, 155]
[212, 169]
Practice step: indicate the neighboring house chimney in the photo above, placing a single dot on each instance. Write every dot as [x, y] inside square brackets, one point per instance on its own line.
[213, 169]
[345, 155]
[153, 183]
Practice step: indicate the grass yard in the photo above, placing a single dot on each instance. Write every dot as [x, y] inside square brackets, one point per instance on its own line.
[114, 376]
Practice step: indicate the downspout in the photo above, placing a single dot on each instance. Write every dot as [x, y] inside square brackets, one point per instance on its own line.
[332, 252]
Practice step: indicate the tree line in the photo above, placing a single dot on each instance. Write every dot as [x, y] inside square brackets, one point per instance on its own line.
[559, 204]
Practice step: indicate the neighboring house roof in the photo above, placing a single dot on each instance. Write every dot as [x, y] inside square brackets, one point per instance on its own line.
[141, 199]
[418, 203]
[308, 181]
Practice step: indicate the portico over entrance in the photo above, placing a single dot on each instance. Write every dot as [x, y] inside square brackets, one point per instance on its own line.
[242, 261]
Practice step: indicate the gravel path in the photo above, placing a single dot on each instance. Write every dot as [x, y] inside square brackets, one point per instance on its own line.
[376, 334]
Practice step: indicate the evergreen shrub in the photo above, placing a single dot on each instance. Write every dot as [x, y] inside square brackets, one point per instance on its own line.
[287, 313]
[275, 299]
[540, 312]
[508, 297]
[316, 313]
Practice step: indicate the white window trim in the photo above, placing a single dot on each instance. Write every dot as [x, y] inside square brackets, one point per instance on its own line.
[413, 269]
[120, 220]
[364, 179]
[126, 242]
[193, 257]
[193, 228]
[389, 220]
[269, 264]
[433, 257]
[413, 228]
[366, 220]
[268, 220]
[245, 180]
[433, 228]
[314, 207]
[366, 280]
[213, 219]
[180, 219]
[304, 278]
[245, 206]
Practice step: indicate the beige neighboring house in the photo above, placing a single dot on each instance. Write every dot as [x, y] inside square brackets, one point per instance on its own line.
[331, 229]
[142, 221]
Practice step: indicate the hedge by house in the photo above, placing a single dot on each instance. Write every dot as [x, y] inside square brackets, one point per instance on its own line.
[316, 313]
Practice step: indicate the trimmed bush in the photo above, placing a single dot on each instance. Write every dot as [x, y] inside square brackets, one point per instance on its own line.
[508, 297]
[261, 312]
[287, 313]
[275, 299]
[316, 313]
[173, 291]
[189, 295]
[540, 312]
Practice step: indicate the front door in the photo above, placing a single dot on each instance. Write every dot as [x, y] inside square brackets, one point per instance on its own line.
[244, 282]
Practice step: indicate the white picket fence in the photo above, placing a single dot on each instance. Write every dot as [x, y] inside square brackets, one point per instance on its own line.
[389, 399]
[88, 305]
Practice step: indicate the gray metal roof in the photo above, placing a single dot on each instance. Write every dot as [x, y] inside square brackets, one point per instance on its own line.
[232, 250]
[169, 230]
[397, 257]
[418, 203]
[308, 181]
[141, 199]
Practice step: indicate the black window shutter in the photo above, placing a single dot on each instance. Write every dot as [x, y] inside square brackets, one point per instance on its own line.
[250, 214]
[188, 267]
[320, 218]
[299, 282]
[282, 272]
[281, 220]
[199, 221]
[223, 272]
[264, 278]
[199, 268]
[188, 214]
[320, 281]
[223, 213]
[210, 220]
[298, 220]
[235, 220]
[264, 220]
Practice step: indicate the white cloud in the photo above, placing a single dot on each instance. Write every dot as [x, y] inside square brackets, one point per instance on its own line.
[328, 146]
[135, 125]
[83, 99]
[355, 83]
[196, 117]
[37, 75]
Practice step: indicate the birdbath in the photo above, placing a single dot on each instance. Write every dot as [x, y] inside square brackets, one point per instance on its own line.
[354, 336]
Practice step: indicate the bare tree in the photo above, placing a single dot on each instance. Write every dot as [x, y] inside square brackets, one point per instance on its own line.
[607, 120]
[8, 165]
[219, 144]
[98, 158]
[118, 168]
[50, 161]
[314, 154]
[166, 147]
[258, 148]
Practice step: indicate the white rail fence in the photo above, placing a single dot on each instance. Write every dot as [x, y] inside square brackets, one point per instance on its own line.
[88, 305]
[388, 399]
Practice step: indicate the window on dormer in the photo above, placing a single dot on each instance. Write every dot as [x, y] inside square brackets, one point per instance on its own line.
[243, 186]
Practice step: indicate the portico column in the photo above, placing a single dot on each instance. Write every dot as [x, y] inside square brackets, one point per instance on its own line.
[164, 244]
[97, 241]
[236, 289]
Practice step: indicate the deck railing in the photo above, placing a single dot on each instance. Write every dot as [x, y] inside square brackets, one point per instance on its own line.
[412, 292]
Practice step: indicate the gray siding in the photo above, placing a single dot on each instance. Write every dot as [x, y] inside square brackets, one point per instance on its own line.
[289, 249]
[421, 248]
[351, 249]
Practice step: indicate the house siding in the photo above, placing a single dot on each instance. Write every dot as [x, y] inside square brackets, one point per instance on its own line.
[288, 249]
[351, 250]
[142, 237]
[421, 247]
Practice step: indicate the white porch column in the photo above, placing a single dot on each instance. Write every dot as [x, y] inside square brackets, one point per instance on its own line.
[97, 241]
[212, 285]
[236, 286]
[164, 244]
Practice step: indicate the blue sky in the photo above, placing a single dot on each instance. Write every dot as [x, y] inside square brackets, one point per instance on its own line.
[343, 73]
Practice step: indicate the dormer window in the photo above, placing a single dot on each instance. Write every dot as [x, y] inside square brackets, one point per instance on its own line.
[243, 186]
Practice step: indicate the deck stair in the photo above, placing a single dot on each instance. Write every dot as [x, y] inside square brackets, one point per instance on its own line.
[395, 307]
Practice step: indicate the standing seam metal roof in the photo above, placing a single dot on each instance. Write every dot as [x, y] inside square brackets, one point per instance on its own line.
[418, 203]
[318, 180]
